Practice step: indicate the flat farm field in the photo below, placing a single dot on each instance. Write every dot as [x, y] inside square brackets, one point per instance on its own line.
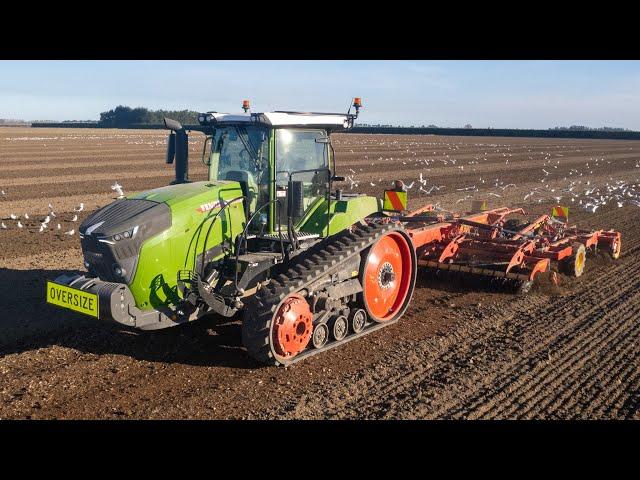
[560, 352]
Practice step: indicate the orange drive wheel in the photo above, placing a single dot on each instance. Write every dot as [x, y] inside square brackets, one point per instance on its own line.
[292, 326]
[388, 277]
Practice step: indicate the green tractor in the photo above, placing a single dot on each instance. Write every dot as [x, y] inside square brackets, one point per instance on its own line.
[266, 235]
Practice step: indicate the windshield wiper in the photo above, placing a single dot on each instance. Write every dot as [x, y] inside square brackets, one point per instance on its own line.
[246, 141]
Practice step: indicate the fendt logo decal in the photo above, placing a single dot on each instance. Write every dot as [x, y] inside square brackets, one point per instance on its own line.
[205, 207]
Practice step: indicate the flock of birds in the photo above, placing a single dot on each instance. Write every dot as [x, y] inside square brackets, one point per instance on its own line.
[573, 187]
[562, 182]
[47, 223]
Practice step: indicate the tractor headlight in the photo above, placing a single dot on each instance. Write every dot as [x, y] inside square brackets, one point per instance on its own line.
[119, 236]
[205, 118]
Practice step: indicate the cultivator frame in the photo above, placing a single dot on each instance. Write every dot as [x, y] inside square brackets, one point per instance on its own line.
[484, 244]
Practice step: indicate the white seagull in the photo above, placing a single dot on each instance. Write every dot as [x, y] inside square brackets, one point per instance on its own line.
[118, 189]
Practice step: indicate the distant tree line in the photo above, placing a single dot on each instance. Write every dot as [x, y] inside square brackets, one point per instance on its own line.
[500, 132]
[582, 128]
[125, 117]
[12, 121]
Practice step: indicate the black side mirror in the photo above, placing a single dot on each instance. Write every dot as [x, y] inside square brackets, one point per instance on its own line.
[172, 124]
[171, 147]
[178, 148]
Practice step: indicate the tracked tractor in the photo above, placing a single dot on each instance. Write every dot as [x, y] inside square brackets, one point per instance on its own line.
[267, 237]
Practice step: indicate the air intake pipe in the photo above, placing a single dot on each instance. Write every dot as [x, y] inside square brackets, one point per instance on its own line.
[178, 150]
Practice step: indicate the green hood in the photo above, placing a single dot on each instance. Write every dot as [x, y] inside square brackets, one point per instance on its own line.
[184, 194]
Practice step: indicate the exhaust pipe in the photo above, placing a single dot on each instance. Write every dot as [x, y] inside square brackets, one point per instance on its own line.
[178, 150]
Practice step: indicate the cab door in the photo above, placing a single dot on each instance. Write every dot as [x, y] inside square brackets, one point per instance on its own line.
[302, 165]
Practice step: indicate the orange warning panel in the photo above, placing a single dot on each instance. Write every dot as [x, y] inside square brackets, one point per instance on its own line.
[395, 201]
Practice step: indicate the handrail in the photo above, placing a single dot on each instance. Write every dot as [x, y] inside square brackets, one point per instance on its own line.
[216, 216]
[244, 235]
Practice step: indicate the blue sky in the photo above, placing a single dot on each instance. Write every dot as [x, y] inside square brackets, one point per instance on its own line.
[519, 94]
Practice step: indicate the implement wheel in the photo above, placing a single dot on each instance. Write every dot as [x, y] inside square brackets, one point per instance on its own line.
[388, 277]
[574, 265]
[616, 248]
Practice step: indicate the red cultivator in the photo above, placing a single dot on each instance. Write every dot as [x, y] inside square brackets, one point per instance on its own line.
[511, 251]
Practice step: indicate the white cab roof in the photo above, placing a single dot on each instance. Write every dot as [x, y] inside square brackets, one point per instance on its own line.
[329, 120]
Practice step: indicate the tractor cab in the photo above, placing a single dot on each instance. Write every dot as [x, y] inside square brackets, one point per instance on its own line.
[264, 160]
[282, 161]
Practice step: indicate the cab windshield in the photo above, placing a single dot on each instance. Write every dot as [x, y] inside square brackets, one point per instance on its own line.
[241, 153]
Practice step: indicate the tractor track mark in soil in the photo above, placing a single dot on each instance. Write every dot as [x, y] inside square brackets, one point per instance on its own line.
[535, 399]
[551, 320]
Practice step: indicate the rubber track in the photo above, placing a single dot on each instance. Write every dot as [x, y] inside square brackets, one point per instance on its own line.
[308, 267]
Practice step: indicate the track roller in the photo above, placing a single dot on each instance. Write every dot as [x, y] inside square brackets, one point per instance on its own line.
[320, 335]
[358, 320]
[574, 265]
[339, 327]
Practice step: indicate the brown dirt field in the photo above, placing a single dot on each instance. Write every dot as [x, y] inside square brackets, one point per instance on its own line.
[564, 352]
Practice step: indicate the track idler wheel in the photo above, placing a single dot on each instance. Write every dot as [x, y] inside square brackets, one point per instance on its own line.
[574, 265]
[388, 277]
[292, 326]
[339, 328]
[358, 320]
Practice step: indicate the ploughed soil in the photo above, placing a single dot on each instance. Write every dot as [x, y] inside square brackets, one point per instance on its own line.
[460, 351]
